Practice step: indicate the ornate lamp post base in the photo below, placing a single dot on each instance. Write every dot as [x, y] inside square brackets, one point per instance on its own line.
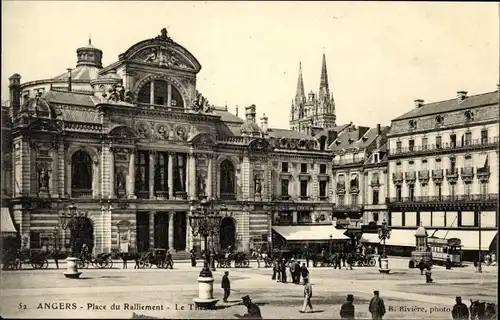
[205, 298]
[384, 262]
[72, 268]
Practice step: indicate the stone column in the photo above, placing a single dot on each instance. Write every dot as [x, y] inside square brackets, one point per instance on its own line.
[192, 176]
[152, 229]
[111, 173]
[68, 177]
[189, 238]
[131, 176]
[152, 157]
[171, 229]
[171, 175]
[210, 176]
[152, 92]
[169, 94]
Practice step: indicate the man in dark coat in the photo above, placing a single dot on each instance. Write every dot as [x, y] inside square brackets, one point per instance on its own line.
[305, 273]
[460, 310]
[297, 272]
[421, 266]
[193, 258]
[283, 271]
[377, 306]
[350, 260]
[291, 267]
[275, 269]
[448, 263]
[347, 309]
[253, 310]
[226, 285]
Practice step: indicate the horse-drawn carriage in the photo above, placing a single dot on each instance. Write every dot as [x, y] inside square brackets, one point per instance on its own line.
[36, 258]
[101, 261]
[158, 257]
[365, 260]
[323, 260]
[240, 260]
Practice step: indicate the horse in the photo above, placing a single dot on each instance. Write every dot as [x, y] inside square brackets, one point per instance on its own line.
[482, 310]
[126, 256]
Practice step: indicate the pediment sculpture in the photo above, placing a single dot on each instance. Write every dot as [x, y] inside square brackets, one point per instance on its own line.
[162, 56]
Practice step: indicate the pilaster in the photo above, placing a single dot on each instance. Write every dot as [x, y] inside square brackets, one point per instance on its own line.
[210, 176]
[61, 170]
[171, 229]
[152, 158]
[170, 175]
[131, 176]
[245, 177]
[152, 229]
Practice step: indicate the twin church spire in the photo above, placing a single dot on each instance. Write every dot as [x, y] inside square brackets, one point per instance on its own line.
[315, 110]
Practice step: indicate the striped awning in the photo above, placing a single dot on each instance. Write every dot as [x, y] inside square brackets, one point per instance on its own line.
[310, 233]
[7, 226]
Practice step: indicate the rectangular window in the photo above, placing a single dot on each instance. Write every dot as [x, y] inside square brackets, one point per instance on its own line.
[142, 171]
[411, 192]
[303, 188]
[453, 140]
[375, 158]
[179, 173]
[424, 143]
[398, 146]
[468, 188]
[438, 142]
[375, 216]
[468, 138]
[399, 193]
[322, 189]
[161, 172]
[284, 167]
[411, 144]
[322, 168]
[284, 187]
[374, 196]
[484, 136]
[303, 167]
[453, 164]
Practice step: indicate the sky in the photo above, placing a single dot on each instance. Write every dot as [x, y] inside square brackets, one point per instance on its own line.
[380, 56]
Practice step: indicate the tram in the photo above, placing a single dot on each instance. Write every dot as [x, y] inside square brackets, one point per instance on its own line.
[441, 249]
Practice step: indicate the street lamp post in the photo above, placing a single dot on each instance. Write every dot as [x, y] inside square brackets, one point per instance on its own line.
[72, 220]
[479, 268]
[205, 221]
[331, 238]
[384, 233]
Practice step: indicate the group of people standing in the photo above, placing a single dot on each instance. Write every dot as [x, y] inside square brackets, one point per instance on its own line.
[296, 271]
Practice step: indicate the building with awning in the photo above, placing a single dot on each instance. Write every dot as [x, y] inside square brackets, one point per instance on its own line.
[470, 239]
[7, 227]
[310, 233]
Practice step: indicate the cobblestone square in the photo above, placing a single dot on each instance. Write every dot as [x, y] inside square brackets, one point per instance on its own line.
[47, 294]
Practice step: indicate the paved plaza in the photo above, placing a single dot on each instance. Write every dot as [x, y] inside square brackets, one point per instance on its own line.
[46, 293]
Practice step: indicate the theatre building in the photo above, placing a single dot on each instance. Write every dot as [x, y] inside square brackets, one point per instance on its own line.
[443, 168]
[136, 146]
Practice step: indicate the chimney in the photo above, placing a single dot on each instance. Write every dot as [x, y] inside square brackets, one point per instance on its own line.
[236, 110]
[69, 79]
[378, 129]
[15, 94]
[419, 103]
[263, 123]
[250, 113]
[461, 95]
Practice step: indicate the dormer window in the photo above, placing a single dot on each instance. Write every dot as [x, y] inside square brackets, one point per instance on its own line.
[375, 157]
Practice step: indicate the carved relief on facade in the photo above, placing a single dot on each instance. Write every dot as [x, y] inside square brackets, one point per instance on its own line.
[354, 183]
[162, 56]
[143, 130]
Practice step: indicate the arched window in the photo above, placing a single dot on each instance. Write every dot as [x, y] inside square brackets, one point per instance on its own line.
[81, 175]
[227, 179]
[163, 93]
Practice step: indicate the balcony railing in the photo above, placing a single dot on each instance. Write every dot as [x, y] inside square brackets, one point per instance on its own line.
[161, 194]
[449, 198]
[142, 194]
[81, 193]
[467, 172]
[437, 174]
[160, 107]
[304, 198]
[339, 162]
[493, 141]
[397, 176]
[354, 207]
[323, 198]
[180, 195]
[452, 173]
[410, 176]
[227, 196]
[483, 171]
[423, 175]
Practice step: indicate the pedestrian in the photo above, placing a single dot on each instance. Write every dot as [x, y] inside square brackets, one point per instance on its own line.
[275, 267]
[376, 307]
[428, 275]
[380, 261]
[226, 285]
[307, 257]
[253, 310]
[55, 255]
[297, 272]
[278, 270]
[347, 309]
[307, 296]
[350, 260]
[283, 271]
[460, 310]
[448, 263]
[343, 258]
[193, 258]
[291, 267]
[305, 273]
[476, 265]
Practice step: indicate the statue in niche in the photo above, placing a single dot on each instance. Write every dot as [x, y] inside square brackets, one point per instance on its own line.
[201, 185]
[258, 185]
[43, 179]
[120, 184]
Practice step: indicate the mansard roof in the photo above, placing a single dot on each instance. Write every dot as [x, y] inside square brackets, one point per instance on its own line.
[72, 98]
[83, 73]
[474, 101]
[356, 137]
[287, 133]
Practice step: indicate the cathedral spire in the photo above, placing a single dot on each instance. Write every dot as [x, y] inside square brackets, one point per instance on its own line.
[324, 91]
[299, 96]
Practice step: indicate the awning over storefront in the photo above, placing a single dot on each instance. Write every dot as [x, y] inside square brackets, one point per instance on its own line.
[370, 238]
[403, 238]
[470, 238]
[7, 226]
[310, 233]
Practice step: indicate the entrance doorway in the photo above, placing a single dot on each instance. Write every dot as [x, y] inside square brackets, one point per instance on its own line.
[161, 230]
[227, 233]
[83, 234]
[180, 231]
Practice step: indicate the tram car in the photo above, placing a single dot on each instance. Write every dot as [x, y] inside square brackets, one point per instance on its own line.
[441, 249]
